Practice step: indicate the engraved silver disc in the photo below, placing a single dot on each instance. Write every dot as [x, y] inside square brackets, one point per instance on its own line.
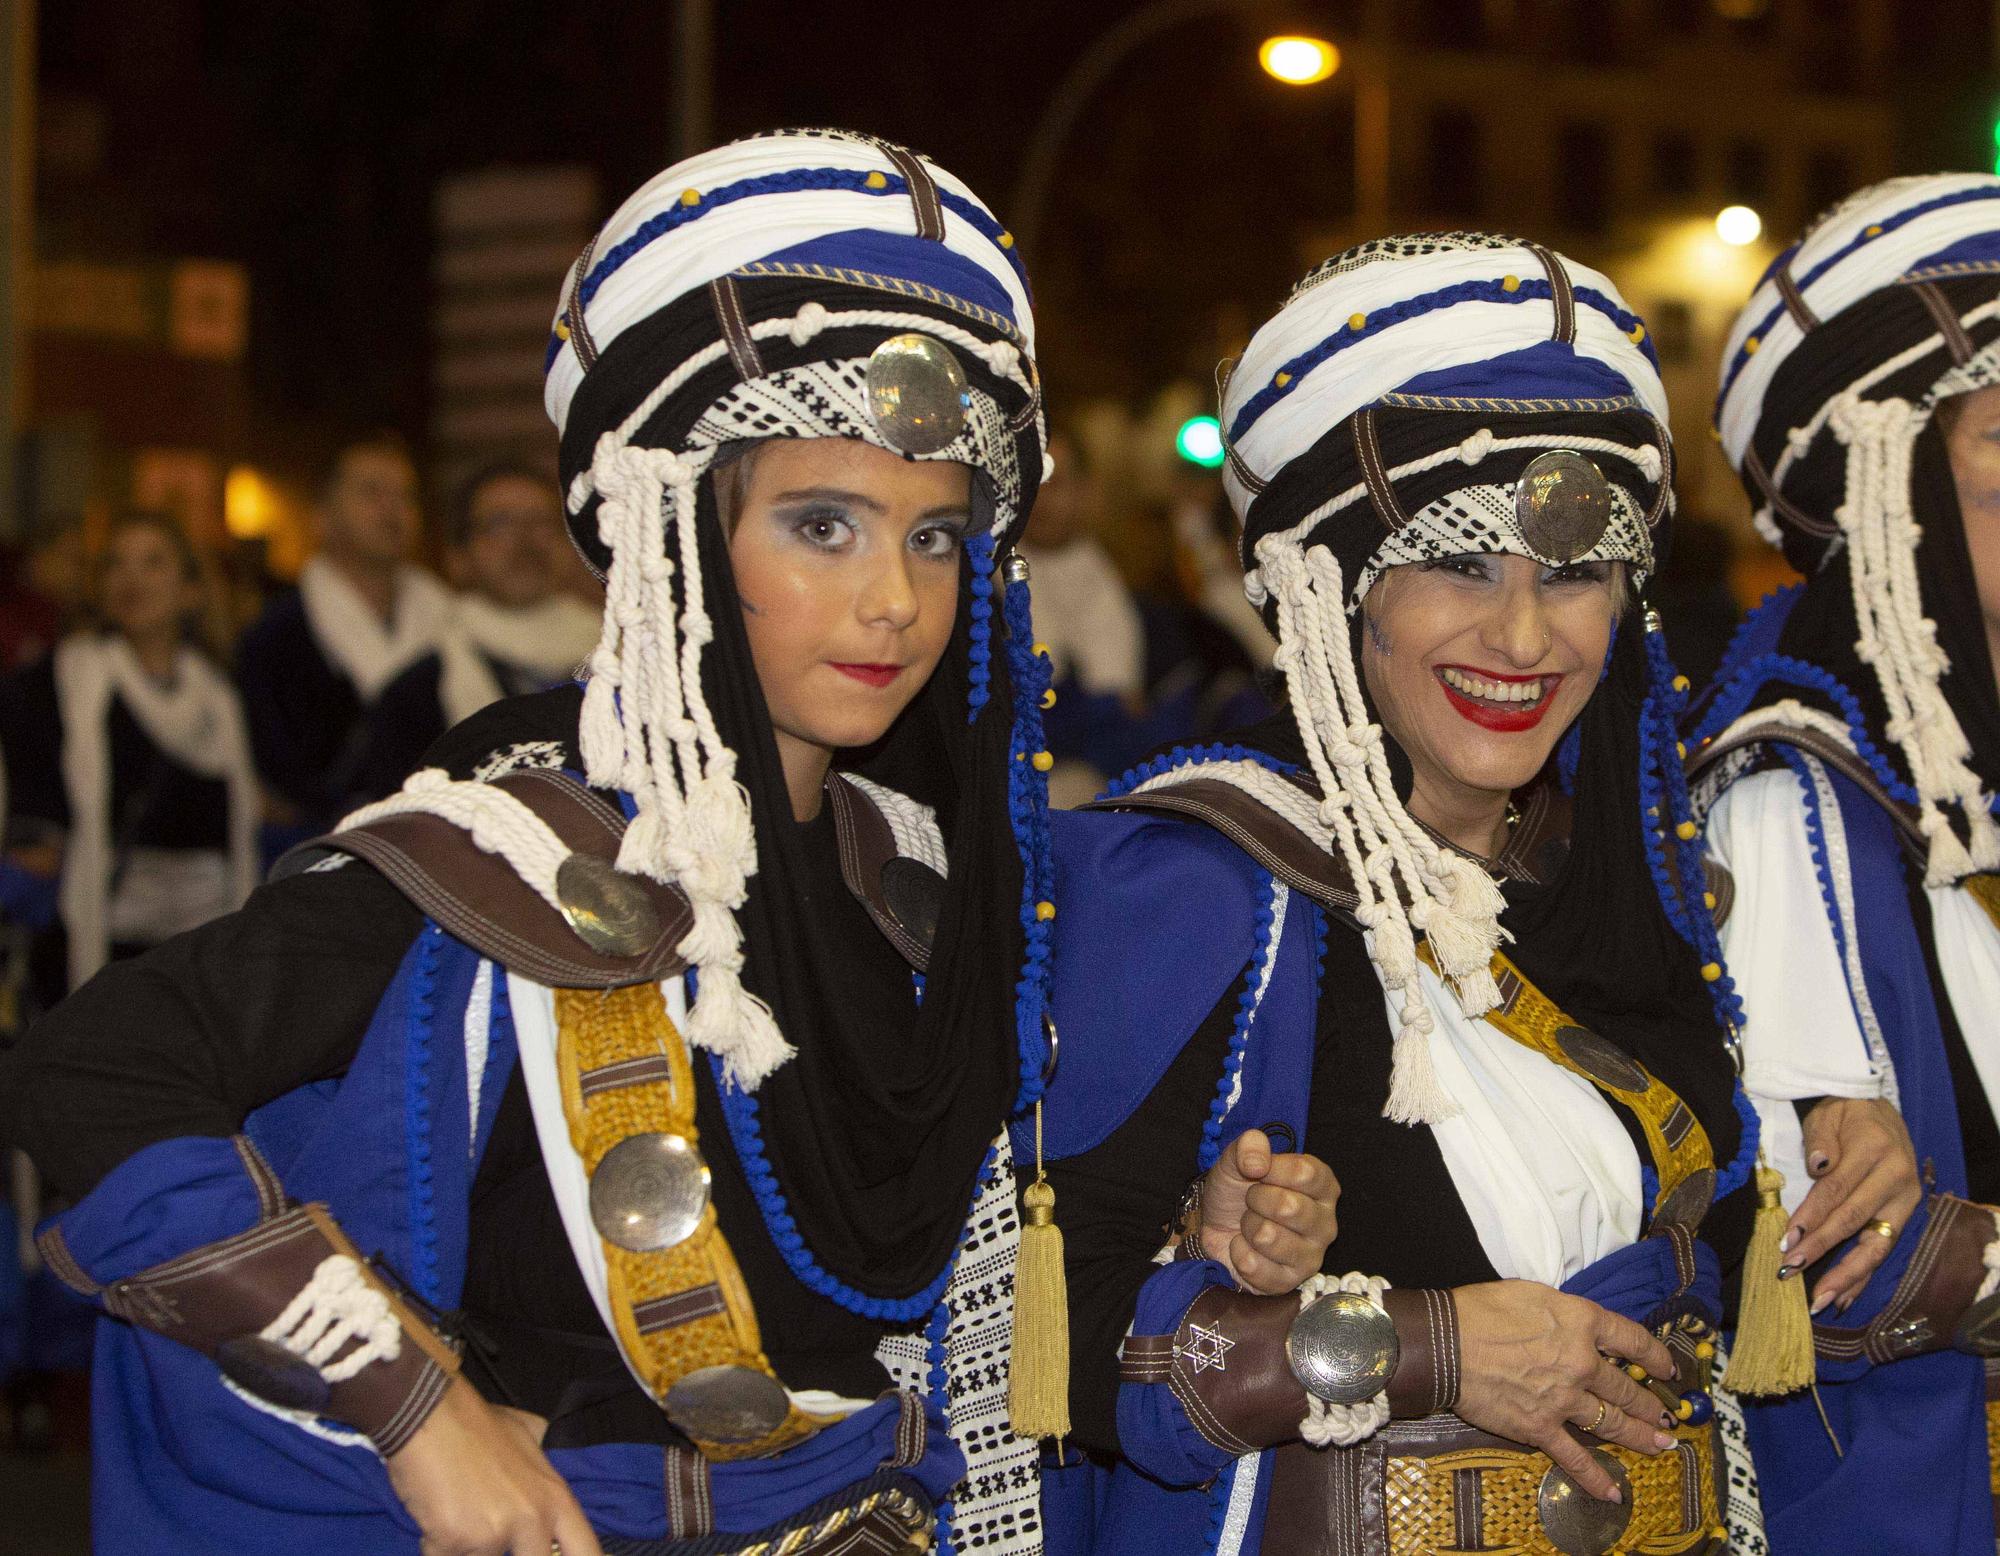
[273, 1373]
[1562, 503]
[1599, 1058]
[608, 909]
[1343, 1348]
[648, 1192]
[1978, 1331]
[917, 393]
[914, 893]
[1577, 1523]
[1686, 1203]
[728, 1404]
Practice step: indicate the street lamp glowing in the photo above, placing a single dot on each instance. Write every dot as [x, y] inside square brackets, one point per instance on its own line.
[1199, 441]
[1738, 225]
[1298, 61]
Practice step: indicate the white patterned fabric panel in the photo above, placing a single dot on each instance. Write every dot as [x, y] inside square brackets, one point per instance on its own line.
[997, 1510]
[912, 823]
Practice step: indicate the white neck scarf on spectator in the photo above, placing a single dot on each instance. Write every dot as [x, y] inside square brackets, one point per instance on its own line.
[194, 718]
[549, 640]
[353, 636]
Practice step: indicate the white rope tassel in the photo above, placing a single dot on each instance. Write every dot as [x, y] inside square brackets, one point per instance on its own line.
[1898, 641]
[1328, 1425]
[648, 729]
[337, 1306]
[1390, 858]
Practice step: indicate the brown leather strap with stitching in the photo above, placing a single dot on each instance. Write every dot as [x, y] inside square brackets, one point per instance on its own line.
[232, 1289]
[476, 896]
[1943, 1276]
[1827, 750]
[866, 845]
[1225, 1363]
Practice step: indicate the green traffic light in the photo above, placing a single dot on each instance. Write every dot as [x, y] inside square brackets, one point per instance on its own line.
[1199, 442]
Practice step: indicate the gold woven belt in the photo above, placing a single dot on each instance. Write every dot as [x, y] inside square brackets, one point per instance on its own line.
[682, 1314]
[1503, 1500]
[1683, 1159]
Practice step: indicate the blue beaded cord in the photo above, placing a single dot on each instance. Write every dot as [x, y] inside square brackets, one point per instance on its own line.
[1028, 815]
[417, 1036]
[1239, 1034]
[979, 558]
[1665, 810]
[1183, 756]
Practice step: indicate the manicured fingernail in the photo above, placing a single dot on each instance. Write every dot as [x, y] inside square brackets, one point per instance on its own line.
[1617, 1495]
[1790, 1237]
[1662, 1442]
[1817, 1164]
[1787, 1271]
[1666, 1420]
[1820, 1301]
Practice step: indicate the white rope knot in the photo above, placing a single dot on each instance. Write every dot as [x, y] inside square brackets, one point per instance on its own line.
[806, 323]
[1798, 440]
[1649, 462]
[1341, 1426]
[336, 1308]
[1003, 357]
[1476, 446]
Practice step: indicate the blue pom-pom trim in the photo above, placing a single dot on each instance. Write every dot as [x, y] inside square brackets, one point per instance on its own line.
[1239, 1033]
[979, 559]
[417, 1115]
[1185, 756]
[1664, 808]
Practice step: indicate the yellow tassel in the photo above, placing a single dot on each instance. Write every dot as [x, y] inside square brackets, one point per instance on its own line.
[1773, 1349]
[1038, 1379]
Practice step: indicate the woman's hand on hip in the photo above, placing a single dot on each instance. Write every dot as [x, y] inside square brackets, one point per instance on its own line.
[474, 1479]
[1858, 1152]
[1268, 1215]
[1532, 1364]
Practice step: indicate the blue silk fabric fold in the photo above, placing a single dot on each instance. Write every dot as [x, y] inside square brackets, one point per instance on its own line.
[181, 1463]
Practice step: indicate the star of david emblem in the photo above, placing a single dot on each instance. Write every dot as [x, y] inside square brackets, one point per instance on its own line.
[1208, 1348]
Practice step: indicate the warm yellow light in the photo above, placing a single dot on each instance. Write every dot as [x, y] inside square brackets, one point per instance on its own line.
[249, 504]
[1299, 61]
[1738, 225]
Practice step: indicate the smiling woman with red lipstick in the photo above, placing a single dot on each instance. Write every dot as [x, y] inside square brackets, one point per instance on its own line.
[1434, 918]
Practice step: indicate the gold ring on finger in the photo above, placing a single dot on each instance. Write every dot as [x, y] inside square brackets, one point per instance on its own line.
[1603, 1407]
[1883, 1229]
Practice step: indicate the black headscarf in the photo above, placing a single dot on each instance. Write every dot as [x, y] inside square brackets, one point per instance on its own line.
[876, 1136]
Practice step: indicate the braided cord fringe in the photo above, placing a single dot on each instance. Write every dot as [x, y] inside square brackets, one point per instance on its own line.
[1898, 641]
[1389, 856]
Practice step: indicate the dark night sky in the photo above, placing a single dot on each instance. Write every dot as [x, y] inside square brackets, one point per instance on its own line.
[305, 138]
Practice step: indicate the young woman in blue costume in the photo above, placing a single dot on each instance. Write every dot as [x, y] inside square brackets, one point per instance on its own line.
[1429, 922]
[1845, 762]
[601, 1142]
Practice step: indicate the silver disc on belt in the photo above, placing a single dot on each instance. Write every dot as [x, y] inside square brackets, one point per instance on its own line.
[608, 909]
[917, 393]
[1686, 1203]
[1577, 1523]
[914, 893]
[728, 1404]
[1343, 1348]
[1562, 503]
[648, 1192]
[1978, 1331]
[1599, 1058]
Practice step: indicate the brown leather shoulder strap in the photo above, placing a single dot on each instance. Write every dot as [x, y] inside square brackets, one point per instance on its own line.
[476, 897]
[902, 895]
[1257, 829]
[1829, 751]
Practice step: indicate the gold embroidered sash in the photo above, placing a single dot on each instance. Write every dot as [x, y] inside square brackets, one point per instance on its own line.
[682, 1313]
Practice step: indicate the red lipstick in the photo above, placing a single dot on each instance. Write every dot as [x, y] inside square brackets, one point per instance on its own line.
[1505, 718]
[869, 675]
